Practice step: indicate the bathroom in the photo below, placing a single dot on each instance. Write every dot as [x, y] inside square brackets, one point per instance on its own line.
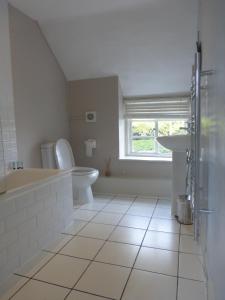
[59, 64]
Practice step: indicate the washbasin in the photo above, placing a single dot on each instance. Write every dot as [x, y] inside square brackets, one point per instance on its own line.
[176, 143]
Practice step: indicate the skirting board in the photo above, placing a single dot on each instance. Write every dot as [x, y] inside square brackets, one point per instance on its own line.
[134, 186]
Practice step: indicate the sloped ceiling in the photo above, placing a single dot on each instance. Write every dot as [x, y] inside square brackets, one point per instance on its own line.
[149, 44]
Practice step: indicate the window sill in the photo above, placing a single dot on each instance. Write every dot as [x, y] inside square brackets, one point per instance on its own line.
[146, 158]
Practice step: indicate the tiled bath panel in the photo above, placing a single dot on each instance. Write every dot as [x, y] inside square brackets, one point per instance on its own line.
[115, 255]
[31, 219]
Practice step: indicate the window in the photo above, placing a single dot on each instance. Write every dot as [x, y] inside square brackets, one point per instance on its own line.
[142, 134]
[146, 118]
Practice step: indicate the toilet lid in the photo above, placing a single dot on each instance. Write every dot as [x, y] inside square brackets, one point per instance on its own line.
[83, 171]
[64, 155]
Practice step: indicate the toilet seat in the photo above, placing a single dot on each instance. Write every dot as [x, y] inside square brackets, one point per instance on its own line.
[82, 171]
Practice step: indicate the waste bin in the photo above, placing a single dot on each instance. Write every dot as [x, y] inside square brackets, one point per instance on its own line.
[184, 211]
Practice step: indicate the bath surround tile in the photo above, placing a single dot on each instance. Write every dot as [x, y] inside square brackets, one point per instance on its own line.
[31, 268]
[62, 239]
[13, 284]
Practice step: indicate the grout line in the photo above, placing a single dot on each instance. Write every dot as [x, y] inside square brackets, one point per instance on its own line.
[30, 278]
[137, 254]
[92, 294]
[149, 230]
[93, 259]
[124, 243]
[105, 241]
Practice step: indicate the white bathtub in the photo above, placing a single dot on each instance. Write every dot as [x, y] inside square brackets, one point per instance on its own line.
[37, 206]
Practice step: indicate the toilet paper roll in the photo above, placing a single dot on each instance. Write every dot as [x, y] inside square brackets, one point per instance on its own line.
[89, 150]
[89, 146]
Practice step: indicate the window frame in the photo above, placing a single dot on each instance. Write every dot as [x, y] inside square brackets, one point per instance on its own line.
[128, 140]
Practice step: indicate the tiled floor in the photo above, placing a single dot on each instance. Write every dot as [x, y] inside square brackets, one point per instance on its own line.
[121, 248]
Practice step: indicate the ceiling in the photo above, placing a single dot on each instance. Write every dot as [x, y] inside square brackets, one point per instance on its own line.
[149, 44]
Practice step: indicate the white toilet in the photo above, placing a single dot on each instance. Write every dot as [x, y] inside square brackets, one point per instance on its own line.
[83, 178]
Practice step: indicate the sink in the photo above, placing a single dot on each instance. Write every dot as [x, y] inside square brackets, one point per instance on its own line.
[176, 143]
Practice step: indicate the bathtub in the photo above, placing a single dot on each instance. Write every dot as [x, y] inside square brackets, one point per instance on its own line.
[36, 208]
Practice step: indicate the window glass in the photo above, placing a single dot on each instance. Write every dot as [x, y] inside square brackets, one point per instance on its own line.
[142, 136]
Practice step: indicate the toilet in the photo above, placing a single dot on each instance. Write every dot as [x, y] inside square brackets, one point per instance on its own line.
[60, 155]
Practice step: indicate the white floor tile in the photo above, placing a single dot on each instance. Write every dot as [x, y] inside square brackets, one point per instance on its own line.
[75, 227]
[146, 200]
[82, 247]
[107, 197]
[189, 245]
[107, 218]
[162, 240]
[189, 289]
[127, 235]
[141, 205]
[93, 206]
[85, 215]
[121, 202]
[116, 208]
[157, 260]
[163, 203]
[59, 243]
[36, 290]
[62, 270]
[98, 231]
[104, 280]
[141, 211]
[164, 225]
[118, 254]
[135, 222]
[190, 267]
[125, 197]
[187, 229]
[74, 295]
[164, 213]
[145, 286]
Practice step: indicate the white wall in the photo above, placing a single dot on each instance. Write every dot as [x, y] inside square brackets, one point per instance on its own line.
[102, 95]
[149, 44]
[40, 90]
[7, 118]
